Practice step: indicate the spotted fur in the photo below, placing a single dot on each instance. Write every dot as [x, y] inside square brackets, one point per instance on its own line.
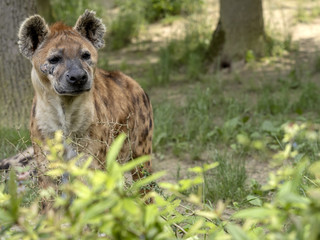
[92, 113]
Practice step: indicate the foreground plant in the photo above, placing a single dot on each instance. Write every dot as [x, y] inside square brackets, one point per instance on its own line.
[96, 204]
[294, 211]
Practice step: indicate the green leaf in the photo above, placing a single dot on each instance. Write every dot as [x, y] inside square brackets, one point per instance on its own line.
[255, 213]
[293, 199]
[150, 215]
[243, 139]
[288, 194]
[93, 211]
[3, 196]
[133, 163]
[87, 164]
[55, 172]
[254, 200]
[14, 199]
[268, 126]
[196, 169]
[207, 214]
[185, 184]
[315, 169]
[5, 217]
[314, 194]
[204, 168]
[170, 186]
[115, 149]
[236, 232]
[232, 123]
[148, 179]
[207, 167]
[131, 206]
[195, 228]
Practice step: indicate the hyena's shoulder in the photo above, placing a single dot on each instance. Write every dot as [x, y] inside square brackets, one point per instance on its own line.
[120, 102]
[116, 81]
[120, 94]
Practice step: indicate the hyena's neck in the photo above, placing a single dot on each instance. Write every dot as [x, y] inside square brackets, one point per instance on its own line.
[72, 115]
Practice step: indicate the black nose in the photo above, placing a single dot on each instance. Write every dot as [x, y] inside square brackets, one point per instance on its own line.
[77, 77]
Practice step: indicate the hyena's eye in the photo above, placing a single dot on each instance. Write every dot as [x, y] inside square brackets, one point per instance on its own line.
[54, 59]
[85, 56]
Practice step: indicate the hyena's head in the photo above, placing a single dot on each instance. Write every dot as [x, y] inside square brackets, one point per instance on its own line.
[63, 57]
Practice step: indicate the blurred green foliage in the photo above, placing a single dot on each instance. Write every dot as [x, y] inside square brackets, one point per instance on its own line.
[124, 28]
[227, 182]
[133, 14]
[95, 204]
[155, 10]
[68, 11]
[293, 212]
[159, 9]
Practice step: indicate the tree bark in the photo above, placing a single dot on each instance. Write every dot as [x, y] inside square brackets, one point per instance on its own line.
[240, 29]
[15, 79]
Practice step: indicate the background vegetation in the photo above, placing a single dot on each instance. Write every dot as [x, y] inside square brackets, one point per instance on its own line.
[243, 118]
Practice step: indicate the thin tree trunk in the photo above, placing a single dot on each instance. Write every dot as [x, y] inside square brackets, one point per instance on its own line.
[15, 80]
[240, 29]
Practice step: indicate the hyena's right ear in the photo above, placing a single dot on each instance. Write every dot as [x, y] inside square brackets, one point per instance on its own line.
[31, 33]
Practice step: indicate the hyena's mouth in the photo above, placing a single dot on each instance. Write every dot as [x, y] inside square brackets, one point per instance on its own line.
[71, 92]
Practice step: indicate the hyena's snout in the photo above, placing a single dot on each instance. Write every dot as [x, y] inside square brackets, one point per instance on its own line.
[75, 81]
[77, 77]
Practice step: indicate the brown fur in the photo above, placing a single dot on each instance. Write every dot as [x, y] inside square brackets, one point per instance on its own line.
[93, 117]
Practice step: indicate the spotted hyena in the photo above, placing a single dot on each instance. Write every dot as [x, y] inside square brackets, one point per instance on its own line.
[89, 105]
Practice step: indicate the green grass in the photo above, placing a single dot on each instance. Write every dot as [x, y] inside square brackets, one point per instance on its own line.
[308, 100]
[240, 115]
[12, 141]
[184, 56]
[227, 181]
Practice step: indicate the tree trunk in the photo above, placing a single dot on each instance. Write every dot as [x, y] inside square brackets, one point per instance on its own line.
[239, 30]
[15, 78]
[45, 10]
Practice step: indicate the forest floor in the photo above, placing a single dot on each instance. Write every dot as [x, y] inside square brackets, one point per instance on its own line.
[281, 18]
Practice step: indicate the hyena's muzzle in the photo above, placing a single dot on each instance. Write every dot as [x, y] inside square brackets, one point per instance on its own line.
[75, 80]
[68, 76]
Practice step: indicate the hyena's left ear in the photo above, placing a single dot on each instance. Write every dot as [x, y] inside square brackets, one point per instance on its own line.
[32, 32]
[92, 28]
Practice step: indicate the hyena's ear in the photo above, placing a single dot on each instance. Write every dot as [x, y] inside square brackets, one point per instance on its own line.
[92, 28]
[31, 33]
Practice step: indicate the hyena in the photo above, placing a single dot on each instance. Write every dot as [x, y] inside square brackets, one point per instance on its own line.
[89, 105]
